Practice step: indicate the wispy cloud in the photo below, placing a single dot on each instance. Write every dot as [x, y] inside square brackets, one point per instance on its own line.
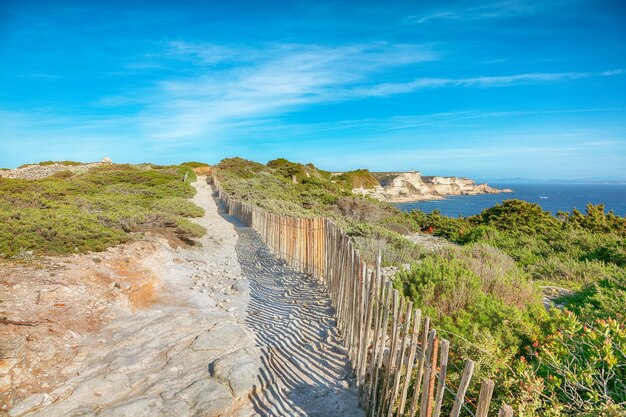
[280, 78]
[491, 10]
[283, 78]
[483, 81]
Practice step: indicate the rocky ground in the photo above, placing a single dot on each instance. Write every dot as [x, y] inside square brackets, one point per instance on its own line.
[429, 242]
[146, 329]
[35, 172]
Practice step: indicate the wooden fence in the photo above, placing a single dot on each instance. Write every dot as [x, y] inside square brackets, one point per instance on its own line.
[399, 361]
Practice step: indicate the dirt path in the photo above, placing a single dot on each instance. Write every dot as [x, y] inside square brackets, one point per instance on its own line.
[234, 333]
[304, 364]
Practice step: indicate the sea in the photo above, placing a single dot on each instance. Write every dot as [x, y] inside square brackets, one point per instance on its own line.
[551, 197]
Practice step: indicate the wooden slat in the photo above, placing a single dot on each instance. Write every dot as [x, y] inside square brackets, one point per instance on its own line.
[441, 382]
[420, 367]
[429, 365]
[381, 345]
[414, 338]
[463, 385]
[484, 398]
[398, 366]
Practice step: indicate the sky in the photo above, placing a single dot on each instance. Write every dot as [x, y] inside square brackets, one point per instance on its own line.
[510, 88]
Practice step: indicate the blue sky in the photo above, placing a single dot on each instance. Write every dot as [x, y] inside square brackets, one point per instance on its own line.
[486, 89]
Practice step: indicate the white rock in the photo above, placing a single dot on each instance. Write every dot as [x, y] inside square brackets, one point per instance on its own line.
[28, 405]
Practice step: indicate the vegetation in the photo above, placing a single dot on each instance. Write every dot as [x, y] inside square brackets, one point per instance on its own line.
[484, 290]
[569, 362]
[46, 163]
[192, 164]
[318, 193]
[361, 178]
[68, 213]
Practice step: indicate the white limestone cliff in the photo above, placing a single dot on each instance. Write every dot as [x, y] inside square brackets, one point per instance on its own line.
[412, 186]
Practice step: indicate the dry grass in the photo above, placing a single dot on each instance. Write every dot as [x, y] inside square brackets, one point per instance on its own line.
[203, 171]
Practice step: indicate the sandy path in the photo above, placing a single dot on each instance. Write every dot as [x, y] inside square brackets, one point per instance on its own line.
[235, 332]
[292, 320]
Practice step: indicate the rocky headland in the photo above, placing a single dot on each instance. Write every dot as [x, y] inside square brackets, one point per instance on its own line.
[398, 187]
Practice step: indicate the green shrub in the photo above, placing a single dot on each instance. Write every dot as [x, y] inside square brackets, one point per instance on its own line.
[582, 364]
[89, 212]
[603, 299]
[192, 164]
[360, 178]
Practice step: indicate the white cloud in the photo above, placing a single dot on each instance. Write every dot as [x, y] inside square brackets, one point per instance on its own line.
[282, 79]
[483, 81]
[490, 10]
[279, 78]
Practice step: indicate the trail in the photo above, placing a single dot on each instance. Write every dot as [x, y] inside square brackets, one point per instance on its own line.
[235, 333]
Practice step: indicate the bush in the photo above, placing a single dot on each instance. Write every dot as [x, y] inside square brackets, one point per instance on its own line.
[360, 178]
[89, 212]
[195, 164]
[583, 365]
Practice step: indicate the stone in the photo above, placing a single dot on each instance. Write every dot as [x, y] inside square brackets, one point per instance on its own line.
[240, 369]
[28, 405]
[225, 338]
[143, 407]
[242, 287]
[100, 390]
[206, 398]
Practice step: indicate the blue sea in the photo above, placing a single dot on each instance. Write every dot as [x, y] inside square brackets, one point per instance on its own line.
[550, 196]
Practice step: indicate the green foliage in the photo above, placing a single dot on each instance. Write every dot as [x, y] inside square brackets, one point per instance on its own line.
[192, 164]
[46, 163]
[524, 217]
[581, 365]
[241, 168]
[360, 178]
[474, 291]
[482, 293]
[572, 250]
[603, 299]
[596, 220]
[89, 212]
[374, 225]
[584, 252]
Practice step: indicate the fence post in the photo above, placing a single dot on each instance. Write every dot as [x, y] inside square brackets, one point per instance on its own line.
[463, 385]
[484, 398]
[420, 367]
[409, 366]
[441, 385]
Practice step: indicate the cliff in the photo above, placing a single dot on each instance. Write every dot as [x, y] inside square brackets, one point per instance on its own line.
[396, 187]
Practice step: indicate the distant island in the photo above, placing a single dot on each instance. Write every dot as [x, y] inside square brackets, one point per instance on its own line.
[400, 187]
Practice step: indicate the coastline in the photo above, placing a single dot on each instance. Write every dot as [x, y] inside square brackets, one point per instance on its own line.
[431, 197]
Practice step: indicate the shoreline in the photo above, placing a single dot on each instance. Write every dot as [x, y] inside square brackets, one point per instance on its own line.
[430, 197]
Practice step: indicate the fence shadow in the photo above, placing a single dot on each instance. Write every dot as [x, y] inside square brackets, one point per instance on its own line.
[305, 371]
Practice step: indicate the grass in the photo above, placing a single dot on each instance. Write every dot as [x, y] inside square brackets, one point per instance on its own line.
[67, 213]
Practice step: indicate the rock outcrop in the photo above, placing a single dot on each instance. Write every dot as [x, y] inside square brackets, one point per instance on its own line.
[412, 186]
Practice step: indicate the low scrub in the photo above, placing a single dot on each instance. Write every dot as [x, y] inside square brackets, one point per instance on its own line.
[89, 212]
[316, 192]
[483, 292]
